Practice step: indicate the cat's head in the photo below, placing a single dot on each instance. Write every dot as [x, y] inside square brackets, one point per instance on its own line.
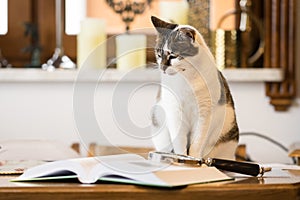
[174, 43]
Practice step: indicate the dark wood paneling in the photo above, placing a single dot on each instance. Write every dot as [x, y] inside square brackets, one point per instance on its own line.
[280, 37]
[46, 23]
[14, 41]
[41, 12]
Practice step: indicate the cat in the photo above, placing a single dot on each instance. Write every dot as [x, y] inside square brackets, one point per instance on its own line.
[194, 113]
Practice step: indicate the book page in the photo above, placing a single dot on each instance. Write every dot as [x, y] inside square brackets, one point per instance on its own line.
[137, 171]
[51, 169]
[87, 169]
[123, 168]
[147, 172]
[191, 176]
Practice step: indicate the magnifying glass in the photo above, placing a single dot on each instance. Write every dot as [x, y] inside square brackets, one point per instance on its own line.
[247, 168]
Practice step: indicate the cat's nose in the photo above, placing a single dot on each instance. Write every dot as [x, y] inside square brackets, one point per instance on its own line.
[164, 68]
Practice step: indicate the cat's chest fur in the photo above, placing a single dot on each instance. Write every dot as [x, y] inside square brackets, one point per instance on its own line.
[178, 97]
[194, 88]
[192, 101]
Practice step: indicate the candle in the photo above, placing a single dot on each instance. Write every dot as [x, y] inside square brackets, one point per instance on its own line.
[131, 51]
[174, 11]
[91, 46]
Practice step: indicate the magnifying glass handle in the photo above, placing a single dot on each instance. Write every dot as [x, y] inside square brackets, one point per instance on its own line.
[235, 166]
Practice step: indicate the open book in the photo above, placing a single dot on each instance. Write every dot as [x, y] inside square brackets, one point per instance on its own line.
[123, 168]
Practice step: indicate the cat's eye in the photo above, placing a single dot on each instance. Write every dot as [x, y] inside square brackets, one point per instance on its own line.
[158, 53]
[173, 56]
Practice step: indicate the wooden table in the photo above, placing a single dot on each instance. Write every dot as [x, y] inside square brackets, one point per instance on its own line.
[242, 188]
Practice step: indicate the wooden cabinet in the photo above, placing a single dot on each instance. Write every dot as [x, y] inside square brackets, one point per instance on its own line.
[14, 41]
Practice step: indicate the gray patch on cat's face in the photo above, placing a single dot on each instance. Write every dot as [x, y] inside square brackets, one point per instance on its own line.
[181, 41]
[174, 46]
[174, 43]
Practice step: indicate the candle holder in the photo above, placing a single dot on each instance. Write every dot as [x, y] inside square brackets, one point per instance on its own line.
[58, 59]
[128, 9]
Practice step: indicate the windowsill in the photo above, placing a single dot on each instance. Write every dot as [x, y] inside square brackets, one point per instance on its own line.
[112, 75]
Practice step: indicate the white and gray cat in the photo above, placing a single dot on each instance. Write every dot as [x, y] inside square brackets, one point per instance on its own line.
[194, 114]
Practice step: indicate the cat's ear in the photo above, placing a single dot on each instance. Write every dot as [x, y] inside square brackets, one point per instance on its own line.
[187, 33]
[162, 26]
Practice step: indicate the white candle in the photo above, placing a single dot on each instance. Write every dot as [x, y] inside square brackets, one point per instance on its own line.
[174, 11]
[91, 46]
[131, 51]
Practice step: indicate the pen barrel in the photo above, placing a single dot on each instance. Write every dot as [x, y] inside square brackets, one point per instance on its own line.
[234, 166]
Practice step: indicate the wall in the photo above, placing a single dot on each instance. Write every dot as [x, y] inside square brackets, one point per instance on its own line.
[48, 111]
[256, 115]
[88, 113]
